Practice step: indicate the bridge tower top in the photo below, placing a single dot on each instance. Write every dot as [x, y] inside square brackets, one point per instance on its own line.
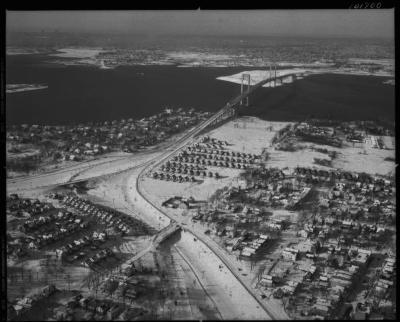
[246, 81]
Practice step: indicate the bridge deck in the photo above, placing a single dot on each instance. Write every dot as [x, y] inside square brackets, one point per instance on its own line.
[239, 98]
[165, 233]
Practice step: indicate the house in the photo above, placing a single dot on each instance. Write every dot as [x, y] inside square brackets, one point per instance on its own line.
[307, 246]
[324, 278]
[19, 309]
[304, 233]
[231, 230]
[322, 306]
[362, 257]
[308, 268]
[130, 293]
[290, 254]
[248, 251]
[267, 280]
[274, 226]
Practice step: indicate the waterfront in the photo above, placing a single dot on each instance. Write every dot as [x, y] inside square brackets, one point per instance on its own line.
[200, 165]
[87, 94]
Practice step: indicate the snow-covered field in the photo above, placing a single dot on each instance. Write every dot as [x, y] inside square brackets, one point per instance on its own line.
[257, 76]
[78, 52]
[365, 159]
[79, 56]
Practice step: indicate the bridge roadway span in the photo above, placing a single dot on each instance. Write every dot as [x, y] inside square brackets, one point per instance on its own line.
[174, 149]
[226, 109]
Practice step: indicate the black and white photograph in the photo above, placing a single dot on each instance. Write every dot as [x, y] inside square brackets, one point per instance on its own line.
[199, 164]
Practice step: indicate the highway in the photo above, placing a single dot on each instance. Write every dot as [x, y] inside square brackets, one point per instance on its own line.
[210, 244]
[219, 253]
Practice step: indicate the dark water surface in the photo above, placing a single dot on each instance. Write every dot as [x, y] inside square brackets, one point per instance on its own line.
[81, 94]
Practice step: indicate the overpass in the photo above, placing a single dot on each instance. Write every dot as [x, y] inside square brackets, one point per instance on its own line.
[161, 236]
[164, 233]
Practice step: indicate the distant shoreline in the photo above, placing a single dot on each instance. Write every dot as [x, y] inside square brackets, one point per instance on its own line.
[17, 88]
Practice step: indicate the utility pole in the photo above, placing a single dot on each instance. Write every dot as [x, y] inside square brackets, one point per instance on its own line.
[275, 76]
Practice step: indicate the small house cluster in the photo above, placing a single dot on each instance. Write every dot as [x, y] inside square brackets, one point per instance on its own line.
[335, 247]
[320, 135]
[79, 248]
[194, 160]
[90, 308]
[123, 223]
[22, 307]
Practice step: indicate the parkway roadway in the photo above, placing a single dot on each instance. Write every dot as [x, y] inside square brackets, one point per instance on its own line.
[146, 165]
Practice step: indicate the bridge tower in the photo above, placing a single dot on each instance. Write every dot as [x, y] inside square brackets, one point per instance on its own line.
[270, 75]
[245, 78]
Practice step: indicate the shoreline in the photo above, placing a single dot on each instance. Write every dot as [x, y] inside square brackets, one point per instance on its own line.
[19, 88]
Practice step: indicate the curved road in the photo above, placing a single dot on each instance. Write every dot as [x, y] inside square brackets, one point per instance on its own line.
[179, 144]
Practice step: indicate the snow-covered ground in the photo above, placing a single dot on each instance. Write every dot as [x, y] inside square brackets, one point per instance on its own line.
[258, 75]
[230, 296]
[78, 52]
[82, 170]
[252, 135]
[232, 299]
[79, 56]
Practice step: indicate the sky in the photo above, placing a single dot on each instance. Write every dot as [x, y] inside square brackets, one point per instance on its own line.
[318, 23]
